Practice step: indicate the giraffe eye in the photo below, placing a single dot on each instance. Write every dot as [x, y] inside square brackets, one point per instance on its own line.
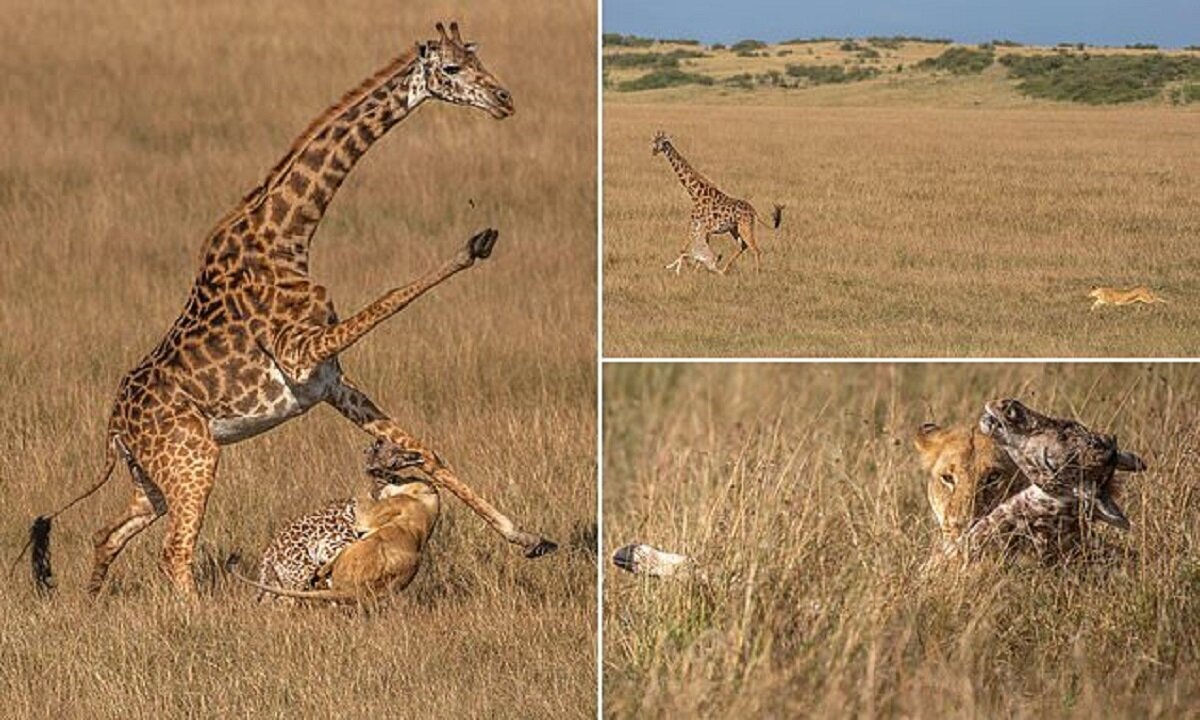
[451, 69]
[947, 479]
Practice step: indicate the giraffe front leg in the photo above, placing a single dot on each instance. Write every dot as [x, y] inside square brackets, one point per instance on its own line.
[360, 410]
[318, 345]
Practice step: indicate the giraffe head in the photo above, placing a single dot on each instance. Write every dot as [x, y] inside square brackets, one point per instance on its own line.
[386, 463]
[660, 144]
[1062, 457]
[969, 475]
[448, 69]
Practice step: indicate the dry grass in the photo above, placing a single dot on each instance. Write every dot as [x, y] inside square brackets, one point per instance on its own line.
[799, 493]
[130, 128]
[922, 229]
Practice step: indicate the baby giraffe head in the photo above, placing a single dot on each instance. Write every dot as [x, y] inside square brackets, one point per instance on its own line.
[1062, 457]
[968, 476]
[386, 464]
[448, 69]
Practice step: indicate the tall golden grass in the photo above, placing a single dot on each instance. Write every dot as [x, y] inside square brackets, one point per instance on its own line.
[797, 491]
[942, 217]
[130, 128]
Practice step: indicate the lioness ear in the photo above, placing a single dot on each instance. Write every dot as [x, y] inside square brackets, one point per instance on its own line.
[1129, 462]
[925, 441]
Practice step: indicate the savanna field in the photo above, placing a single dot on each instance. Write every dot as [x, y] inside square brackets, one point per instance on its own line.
[930, 212]
[131, 128]
[798, 494]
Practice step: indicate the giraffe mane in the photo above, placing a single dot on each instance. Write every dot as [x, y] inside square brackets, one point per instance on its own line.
[258, 193]
[352, 96]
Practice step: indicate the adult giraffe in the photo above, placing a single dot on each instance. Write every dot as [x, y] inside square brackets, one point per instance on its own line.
[713, 213]
[258, 341]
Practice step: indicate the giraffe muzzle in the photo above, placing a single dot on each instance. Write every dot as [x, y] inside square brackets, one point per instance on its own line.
[501, 105]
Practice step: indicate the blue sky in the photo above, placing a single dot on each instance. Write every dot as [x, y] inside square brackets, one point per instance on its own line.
[1169, 23]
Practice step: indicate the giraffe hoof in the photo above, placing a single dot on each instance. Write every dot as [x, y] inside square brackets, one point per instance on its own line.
[481, 244]
[543, 547]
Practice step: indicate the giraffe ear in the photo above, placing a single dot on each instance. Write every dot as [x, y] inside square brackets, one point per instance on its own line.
[422, 50]
[471, 47]
[1129, 462]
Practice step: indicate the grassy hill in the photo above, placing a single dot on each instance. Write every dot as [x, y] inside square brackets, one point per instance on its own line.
[997, 72]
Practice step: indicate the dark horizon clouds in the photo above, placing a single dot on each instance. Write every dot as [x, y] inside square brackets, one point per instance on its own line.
[1167, 23]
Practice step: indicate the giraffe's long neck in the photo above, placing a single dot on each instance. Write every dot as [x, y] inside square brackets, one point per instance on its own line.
[275, 222]
[691, 180]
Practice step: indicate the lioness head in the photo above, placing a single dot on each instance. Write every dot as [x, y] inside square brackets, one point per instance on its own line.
[969, 475]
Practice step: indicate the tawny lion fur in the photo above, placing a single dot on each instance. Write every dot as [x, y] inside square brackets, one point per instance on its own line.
[387, 556]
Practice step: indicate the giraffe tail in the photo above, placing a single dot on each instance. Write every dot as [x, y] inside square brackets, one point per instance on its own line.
[776, 217]
[39, 532]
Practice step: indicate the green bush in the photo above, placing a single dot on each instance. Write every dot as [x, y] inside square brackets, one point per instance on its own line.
[716, 46]
[747, 45]
[1099, 79]
[830, 74]
[742, 80]
[1141, 46]
[1006, 43]
[667, 77]
[809, 41]
[887, 43]
[649, 59]
[1185, 93]
[960, 61]
[619, 40]
[679, 41]
[639, 60]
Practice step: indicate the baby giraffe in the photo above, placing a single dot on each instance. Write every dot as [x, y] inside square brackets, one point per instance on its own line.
[359, 549]
[1072, 475]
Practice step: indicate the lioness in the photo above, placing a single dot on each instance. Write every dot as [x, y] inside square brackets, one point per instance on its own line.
[1112, 296]
[392, 531]
[305, 553]
[969, 476]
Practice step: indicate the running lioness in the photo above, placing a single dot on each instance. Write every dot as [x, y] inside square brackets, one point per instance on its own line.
[1113, 296]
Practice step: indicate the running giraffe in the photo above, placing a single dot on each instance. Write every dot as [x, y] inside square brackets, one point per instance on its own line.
[258, 340]
[713, 213]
